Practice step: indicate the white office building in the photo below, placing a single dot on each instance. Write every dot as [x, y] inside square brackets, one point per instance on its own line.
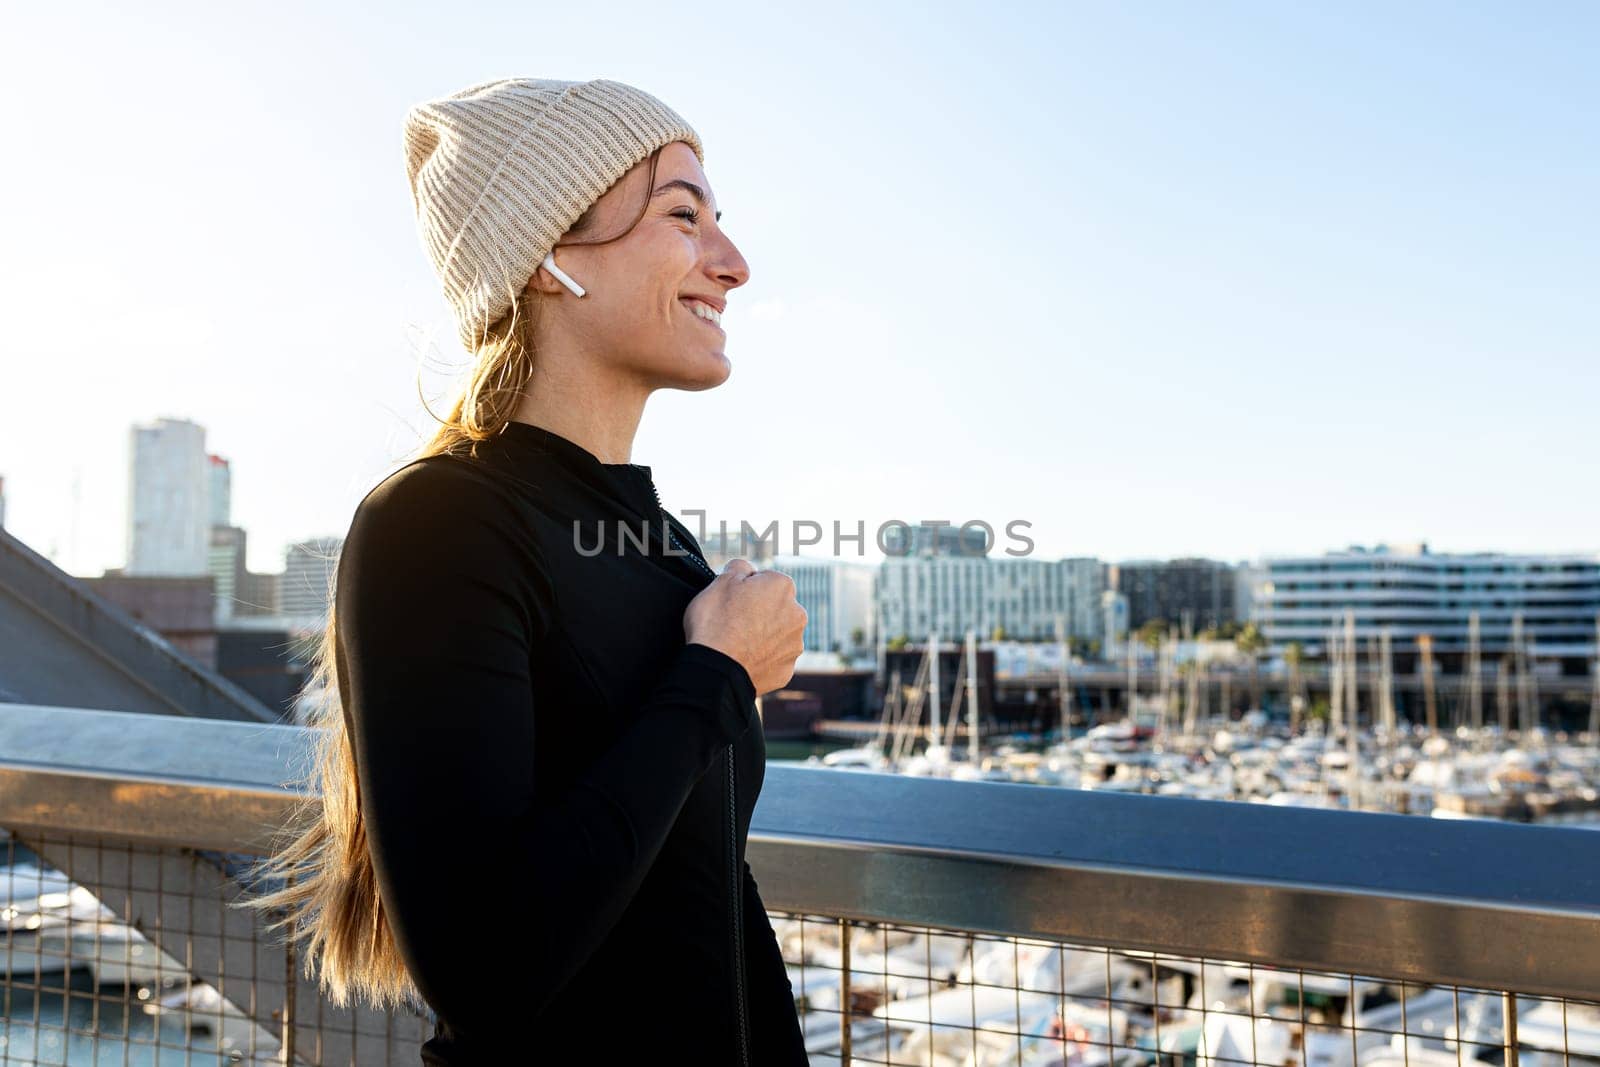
[1410, 591]
[919, 595]
[169, 500]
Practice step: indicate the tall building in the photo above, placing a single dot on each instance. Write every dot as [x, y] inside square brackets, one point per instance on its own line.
[1410, 591]
[169, 508]
[308, 568]
[918, 595]
[221, 489]
[1171, 590]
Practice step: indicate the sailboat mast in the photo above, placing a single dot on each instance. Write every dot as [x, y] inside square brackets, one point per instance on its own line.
[1375, 681]
[1133, 675]
[1431, 709]
[1502, 695]
[972, 694]
[1386, 685]
[883, 648]
[1062, 692]
[1475, 673]
[1335, 681]
[1352, 744]
[1191, 699]
[1162, 687]
[1352, 662]
[1519, 652]
[891, 710]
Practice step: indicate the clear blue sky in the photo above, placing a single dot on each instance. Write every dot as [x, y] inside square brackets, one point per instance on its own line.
[1161, 278]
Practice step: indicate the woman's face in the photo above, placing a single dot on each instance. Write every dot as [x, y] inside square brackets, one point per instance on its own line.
[636, 315]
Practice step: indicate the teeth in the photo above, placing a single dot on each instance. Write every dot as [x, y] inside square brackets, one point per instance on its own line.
[705, 311]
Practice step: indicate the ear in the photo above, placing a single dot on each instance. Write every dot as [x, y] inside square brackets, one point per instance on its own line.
[543, 281]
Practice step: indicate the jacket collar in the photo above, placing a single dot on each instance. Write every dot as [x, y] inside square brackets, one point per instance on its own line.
[630, 484]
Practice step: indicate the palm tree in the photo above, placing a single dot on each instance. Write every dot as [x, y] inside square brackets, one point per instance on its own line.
[1251, 642]
[1151, 632]
[1294, 655]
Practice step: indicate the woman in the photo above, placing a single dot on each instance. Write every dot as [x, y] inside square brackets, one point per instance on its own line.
[541, 752]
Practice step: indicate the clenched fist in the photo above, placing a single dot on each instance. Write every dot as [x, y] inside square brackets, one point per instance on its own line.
[752, 616]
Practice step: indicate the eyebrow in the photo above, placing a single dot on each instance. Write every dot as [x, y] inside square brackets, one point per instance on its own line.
[693, 189]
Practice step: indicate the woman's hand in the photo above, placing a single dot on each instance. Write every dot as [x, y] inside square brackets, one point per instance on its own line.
[753, 617]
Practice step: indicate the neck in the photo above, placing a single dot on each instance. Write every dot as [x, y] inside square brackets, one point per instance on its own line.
[585, 402]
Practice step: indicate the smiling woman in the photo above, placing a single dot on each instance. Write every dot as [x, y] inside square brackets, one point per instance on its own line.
[509, 718]
[656, 266]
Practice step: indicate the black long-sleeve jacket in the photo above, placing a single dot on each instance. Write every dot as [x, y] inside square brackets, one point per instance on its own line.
[556, 788]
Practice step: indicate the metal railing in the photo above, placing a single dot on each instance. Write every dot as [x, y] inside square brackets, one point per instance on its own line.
[924, 921]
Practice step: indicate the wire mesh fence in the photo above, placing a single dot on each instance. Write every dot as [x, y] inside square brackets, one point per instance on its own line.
[875, 993]
[131, 954]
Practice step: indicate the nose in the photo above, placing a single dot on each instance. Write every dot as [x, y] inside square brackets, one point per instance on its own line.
[727, 265]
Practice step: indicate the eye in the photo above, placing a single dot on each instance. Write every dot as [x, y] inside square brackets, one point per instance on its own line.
[687, 213]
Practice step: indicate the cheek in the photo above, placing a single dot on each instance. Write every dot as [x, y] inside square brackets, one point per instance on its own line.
[641, 288]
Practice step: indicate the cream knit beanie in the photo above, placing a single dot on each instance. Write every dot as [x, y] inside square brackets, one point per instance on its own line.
[501, 170]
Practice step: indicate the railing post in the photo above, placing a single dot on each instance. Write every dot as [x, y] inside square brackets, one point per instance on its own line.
[286, 1042]
[1508, 1008]
[844, 993]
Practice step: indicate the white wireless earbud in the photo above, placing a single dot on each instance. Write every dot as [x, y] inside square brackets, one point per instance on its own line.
[561, 275]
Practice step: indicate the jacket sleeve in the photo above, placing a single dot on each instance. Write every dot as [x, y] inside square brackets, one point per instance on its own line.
[774, 1022]
[439, 595]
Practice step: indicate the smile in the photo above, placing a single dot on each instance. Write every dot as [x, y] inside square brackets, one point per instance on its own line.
[705, 313]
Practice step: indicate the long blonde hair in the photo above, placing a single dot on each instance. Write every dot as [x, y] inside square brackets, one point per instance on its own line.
[329, 898]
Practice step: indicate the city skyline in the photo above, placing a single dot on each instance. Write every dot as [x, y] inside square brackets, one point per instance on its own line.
[885, 533]
[896, 533]
[1230, 283]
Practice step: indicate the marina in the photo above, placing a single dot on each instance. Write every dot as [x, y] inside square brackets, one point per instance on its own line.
[1167, 738]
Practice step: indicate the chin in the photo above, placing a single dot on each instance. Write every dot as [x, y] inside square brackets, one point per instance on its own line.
[706, 372]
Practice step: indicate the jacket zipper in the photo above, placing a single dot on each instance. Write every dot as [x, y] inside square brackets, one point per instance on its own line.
[735, 888]
[737, 898]
[672, 535]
